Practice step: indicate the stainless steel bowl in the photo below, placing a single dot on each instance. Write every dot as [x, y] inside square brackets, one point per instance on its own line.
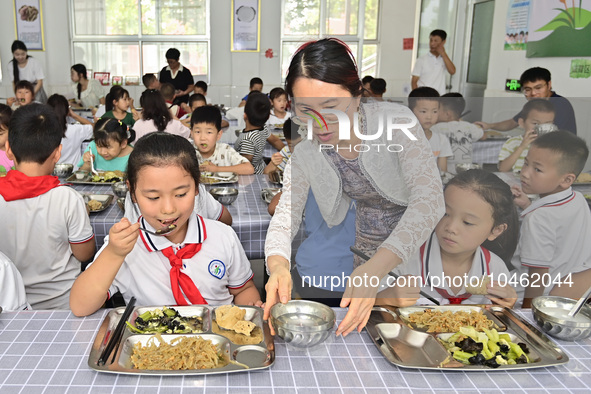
[268, 193]
[119, 188]
[461, 167]
[550, 313]
[302, 323]
[225, 195]
[63, 170]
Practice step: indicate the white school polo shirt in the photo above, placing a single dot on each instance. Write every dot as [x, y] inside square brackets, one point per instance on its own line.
[223, 155]
[220, 265]
[12, 288]
[429, 267]
[555, 234]
[431, 72]
[461, 136]
[205, 205]
[36, 234]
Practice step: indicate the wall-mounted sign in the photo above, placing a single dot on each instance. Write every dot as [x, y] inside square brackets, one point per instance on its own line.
[513, 85]
[28, 24]
[246, 23]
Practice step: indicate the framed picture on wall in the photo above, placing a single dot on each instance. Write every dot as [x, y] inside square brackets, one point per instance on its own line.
[28, 22]
[246, 25]
[132, 80]
[104, 78]
[117, 80]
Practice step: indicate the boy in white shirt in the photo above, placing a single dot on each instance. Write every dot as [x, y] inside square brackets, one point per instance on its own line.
[215, 156]
[555, 231]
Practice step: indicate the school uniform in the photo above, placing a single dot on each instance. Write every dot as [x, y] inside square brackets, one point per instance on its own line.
[219, 265]
[40, 219]
[223, 155]
[555, 234]
[427, 265]
[12, 288]
[205, 205]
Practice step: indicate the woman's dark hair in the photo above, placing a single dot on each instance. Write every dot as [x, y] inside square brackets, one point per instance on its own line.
[154, 108]
[61, 107]
[116, 93]
[109, 128]
[328, 60]
[16, 45]
[276, 92]
[5, 115]
[161, 149]
[498, 194]
[173, 53]
[80, 69]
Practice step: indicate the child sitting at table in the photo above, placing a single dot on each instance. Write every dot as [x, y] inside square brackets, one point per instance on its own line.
[461, 134]
[117, 104]
[424, 103]
[279, 159]
[555, 230]
[470, 245]
[200, 261]
[279, 112]
[514, 150]
[151, 81]
[156, 117]
[213, 155]
[168, 92]
[111, 146]
[196, 100]
[5, 163]
[251, 141]
[73, 134]
[12, 288]
[45, 228]
[256, 85]
[200, 88]
[24, 93]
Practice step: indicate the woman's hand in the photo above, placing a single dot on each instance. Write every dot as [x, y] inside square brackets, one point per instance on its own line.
[278, 286]
[501, 295]
[400, 296]
[122, 237]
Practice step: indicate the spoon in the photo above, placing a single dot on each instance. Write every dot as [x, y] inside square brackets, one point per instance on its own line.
[163, 231]
[573, 312]
[92, 165]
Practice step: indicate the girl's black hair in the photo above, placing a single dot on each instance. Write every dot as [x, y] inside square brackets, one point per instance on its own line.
[328, 60]
[116, 93]
[16, 45]
[154, 108]
[5, 115]
[161, 149]
[81, 71]
[109, 128]
[498, 195]
[276, 92]
[61, 108]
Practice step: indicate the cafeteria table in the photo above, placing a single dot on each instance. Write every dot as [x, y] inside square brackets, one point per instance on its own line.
[250, 218]
[47, 352]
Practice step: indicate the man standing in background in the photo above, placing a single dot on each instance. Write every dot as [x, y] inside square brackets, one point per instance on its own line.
[430, 69]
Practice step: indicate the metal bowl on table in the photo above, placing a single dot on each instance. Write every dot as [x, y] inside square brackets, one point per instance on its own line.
[119, 188]
[268, 193]
[121, 203]
[551, 314]
[461, 167]
[224, 195]
[63, 170]
[302, 323]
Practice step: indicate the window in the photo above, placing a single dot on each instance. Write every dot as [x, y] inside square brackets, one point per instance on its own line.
[130, 37]
[353, 21]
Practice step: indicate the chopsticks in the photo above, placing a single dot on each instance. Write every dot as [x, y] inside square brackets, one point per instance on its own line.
[366, 257]
[117, 335]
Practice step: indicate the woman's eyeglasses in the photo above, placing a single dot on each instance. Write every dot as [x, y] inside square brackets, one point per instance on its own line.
[302, 116]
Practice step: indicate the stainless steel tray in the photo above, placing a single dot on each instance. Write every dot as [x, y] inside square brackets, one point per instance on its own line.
[87, 180]
[403, 313]
[104, 199]
[258, 356]
[409, 348]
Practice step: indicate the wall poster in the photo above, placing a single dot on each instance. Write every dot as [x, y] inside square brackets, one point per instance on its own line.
[246, 23]
[28, 25]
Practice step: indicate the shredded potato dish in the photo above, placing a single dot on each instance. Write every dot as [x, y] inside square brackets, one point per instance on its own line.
[191, 352]
[94, 205]
[448, 321]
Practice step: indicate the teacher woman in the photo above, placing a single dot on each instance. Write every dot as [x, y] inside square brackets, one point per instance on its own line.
[398, 192]
[180, 77]
[23, 67]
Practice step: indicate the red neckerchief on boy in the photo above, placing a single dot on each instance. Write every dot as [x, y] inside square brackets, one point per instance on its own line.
[18, 186]
[179, 281]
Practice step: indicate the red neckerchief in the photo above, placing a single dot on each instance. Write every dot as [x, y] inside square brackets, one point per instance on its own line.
[453, 300]
[18, 186]
[179, 280]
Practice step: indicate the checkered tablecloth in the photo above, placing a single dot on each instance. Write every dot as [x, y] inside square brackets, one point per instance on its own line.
[47, 352]
[249, 213]
[487, 151]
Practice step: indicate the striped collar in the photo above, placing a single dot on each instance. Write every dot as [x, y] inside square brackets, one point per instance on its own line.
[196, 234]
[553, 200]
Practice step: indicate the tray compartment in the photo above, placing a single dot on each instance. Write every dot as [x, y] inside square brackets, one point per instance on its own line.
[404, 314]
[253, 314]
[192, 310]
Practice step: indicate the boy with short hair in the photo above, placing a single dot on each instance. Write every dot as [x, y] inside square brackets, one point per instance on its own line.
[555, 230]
[150, 81]
[378, 88]
[279, 159]
[514, 150]
[167, 91]
[461, 134]
[51, 234]
[256, 85]
[424, 103]
[213, 155]
[200, 88]
[24, 93]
